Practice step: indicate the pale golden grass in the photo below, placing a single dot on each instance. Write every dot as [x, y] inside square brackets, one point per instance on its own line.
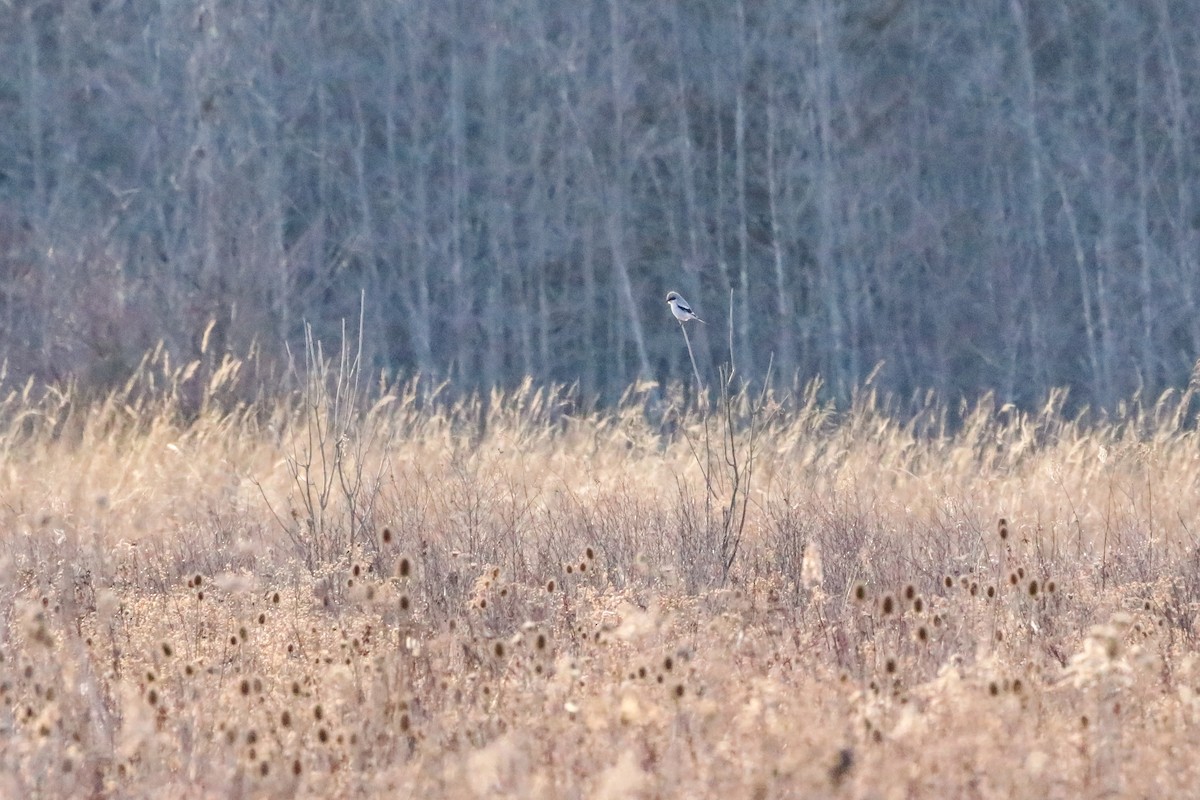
[534, 607]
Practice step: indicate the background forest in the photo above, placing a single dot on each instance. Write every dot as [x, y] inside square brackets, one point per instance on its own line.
[983, 194]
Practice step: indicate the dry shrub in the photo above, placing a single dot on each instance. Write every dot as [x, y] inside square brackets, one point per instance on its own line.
[522, 607]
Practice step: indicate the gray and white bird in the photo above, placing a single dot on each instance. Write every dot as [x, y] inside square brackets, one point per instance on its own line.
[680, 308]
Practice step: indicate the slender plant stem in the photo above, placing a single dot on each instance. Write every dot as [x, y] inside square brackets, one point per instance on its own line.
[695, 369]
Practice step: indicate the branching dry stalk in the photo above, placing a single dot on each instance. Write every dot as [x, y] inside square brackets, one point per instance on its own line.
[338, 458]
[727, 485]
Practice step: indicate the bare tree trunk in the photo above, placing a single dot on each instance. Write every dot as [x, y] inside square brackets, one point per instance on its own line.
[591, 360]
[742, 324]
[366, 242]
[686, 151]
[1106, 254]
[40, 312]
[1149, 363]
[277, 283]
[463, 290]
[617, 194]
[784, 325]
[544, 225]
[1096, 368]
[1180, 134]
[34, 106]
[615, 228]
[829, 281]
[208, 231]
[1110, 214]
[693, 255]
[590, 236]
[412, 290]
[1027, 116]
[510, 298]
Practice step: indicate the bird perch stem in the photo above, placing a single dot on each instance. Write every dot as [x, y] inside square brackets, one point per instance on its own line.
[695, 370]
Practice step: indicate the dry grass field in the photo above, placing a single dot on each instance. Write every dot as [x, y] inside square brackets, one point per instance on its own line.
[342, 592]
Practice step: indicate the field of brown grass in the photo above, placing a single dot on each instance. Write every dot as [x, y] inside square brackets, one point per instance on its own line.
[341, 592]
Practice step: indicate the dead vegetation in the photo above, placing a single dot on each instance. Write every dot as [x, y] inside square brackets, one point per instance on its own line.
[512, 596]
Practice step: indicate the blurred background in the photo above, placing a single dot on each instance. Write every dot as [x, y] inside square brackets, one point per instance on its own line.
[984, 195]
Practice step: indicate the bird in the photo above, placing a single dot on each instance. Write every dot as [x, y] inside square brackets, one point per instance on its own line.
[680, 308]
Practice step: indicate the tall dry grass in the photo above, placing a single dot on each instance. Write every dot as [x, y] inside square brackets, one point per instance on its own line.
[343, 588]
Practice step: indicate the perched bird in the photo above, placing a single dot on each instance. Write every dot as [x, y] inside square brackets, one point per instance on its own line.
[680, 308]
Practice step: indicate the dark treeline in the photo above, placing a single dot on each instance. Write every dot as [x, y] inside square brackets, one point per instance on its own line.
[982, 194]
